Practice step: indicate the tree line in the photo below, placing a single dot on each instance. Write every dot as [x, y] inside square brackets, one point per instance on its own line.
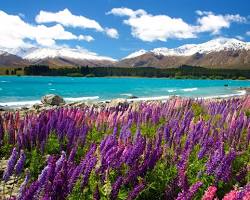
[181, 72]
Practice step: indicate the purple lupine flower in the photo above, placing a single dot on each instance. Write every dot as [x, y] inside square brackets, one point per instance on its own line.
[79, 169]
[30, 192]
[116, 187]
[20, 163]
[50, 174]
[96, 195]
[171, 190]
[72, 154]
[87, 171]
[241, 174]
[166, 133]
[215, 159]
[243, 192]
[136, 191]
[1, 130]
[117, 159]
[137, 150]
[23, 186]
[148, 150]
[60, 183]
[205, 147]
[42, 178]
[188, 195]
[224, 169]
[60, 161]
[193, 189]
[132, 174]
[115, 131]
[10, 165]
[75, 175]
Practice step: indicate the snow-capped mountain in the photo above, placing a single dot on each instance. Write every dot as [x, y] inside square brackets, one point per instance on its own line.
[59, 56]
[216, 45]
[77, 54]
[136, 54]
[36, 53]
[217, 53]
[3, 53]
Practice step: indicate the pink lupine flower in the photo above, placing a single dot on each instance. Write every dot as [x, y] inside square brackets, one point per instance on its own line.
[210, 193]
[231, 195]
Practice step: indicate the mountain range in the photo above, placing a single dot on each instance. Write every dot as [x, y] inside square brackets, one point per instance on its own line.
[216, 53]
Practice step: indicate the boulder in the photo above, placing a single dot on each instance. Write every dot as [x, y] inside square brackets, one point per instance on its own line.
[118, 102]
[52, 100]
[37, 106]
[133, 97]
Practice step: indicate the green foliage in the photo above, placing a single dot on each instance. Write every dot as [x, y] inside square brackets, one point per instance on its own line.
[6, 148]
[157, 180]
[106, 189]
[90, 75]
[77, 192]
[247, 112]
[75, 75]
[241, 162]
[190, 72]
[148, 130]
[123, 194]
[79, 153]
[95, 135]
[52, 145]
[196, 172]
[35, 162]
[197, 110]
[242, 78]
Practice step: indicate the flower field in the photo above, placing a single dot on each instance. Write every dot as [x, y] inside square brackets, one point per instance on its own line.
[181, 149]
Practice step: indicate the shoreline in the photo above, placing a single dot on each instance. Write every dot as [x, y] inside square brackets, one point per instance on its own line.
[93, 101]
[149, 77]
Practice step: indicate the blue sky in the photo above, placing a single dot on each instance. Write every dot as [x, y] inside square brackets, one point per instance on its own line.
[116, 28]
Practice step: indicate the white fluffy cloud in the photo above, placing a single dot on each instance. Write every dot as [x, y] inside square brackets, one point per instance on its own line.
[209, 22]
[111, 32]
[126, 12]
[248, 33]
[148, 27]
[239, 37]
[159, 27]
[14, 32]
[87, 38]
[67, 19]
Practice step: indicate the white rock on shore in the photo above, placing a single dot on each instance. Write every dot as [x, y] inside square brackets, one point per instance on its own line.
[53, 100]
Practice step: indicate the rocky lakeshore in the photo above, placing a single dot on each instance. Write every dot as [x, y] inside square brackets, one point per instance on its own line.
[52, 101]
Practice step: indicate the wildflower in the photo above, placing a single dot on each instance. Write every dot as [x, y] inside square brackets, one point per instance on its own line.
[20, 163]
[116, 187]
[136, 191]
[210, 193]
[10, 165]
[88, 170]
[96, 195]
[60, 161]
[23, 186]
[231, 195]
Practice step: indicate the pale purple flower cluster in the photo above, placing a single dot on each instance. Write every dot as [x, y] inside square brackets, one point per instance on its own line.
[10, 165]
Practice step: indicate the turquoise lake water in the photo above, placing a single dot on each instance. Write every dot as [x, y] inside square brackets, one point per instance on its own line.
[26, 90]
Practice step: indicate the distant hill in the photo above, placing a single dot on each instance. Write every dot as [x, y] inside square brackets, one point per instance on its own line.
[218, 53]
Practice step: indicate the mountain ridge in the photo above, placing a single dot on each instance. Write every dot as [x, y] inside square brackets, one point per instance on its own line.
[216, 53]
